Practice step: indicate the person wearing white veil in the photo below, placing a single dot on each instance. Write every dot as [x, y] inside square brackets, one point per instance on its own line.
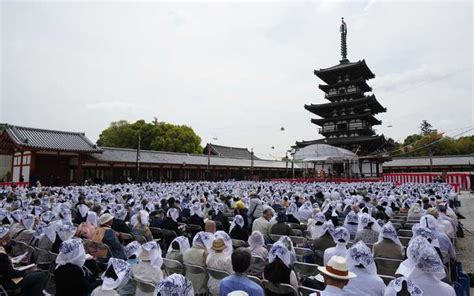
[115, 276]
[445, 243]
[425, 268]
[361, 263]
[341, 237]
[87, 229]
[141, 225]
[46, 243]
[175, 284]
[71, 276]
[176, 250]
[323, 241]
[367, 229]
[132, 252]
[237, 230]
[197, 255]
[197, 216]
[149, 267]
[402, 286]
[305, 211]
[388, 244]
[219, 259]
[81, 215]
[315, 224]
[415, 212]
[257, 248]
[351, 223]
[279, 268]
[292, 213]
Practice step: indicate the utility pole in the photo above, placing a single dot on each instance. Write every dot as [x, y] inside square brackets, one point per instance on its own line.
[286, 158]
[138, 158]
[251, 163]
[208, 161]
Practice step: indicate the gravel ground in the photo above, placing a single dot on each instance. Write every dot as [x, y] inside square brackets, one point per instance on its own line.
[465, 250]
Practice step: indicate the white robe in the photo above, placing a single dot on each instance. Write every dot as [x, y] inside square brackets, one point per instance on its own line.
[430, 285]
[365, 284]
[221, 262]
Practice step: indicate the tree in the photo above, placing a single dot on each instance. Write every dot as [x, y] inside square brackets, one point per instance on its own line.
[156, 135]
[425, 128]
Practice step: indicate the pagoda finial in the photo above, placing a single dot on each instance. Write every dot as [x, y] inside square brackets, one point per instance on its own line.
[343, 30]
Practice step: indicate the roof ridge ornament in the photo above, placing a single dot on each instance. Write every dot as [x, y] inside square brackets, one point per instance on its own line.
[343, 30]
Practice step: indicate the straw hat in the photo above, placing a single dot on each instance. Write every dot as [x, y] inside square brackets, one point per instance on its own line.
[218, 245]
[238, 293]
[337, 268]
[105, 218]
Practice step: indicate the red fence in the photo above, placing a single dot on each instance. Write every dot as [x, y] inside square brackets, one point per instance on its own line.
[335, 180]
[460, 181]
[18, 184]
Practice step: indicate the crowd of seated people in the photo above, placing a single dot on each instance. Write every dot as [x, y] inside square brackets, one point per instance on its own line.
[229, 238]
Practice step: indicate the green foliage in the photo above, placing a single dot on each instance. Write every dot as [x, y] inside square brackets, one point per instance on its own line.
[446, 146]
[156, 135]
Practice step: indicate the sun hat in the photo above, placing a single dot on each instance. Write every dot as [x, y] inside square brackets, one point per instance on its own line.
[105, 218]
[337, 268]
[218, 245]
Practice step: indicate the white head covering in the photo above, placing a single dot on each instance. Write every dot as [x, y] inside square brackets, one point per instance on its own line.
[183, 244]
[227, 240]
[430, 222]
[47, 216]
[341, 236]
[65, 231]
[239, 220]
[83, 209]
[293, 210]
[28, 221]
[281, 251]
[285, 240]
[364, 220]
[256, 240]
[50, 231]
[71, 251]
[133, 248]
[3, 231]
[154, 251]
[351, 217]
[120, 213]
[396, 285]
[427, 233]
[175, 284]
[319, 217]
[388, 231]
[92, 218]
[121, 268]
[203, 239]
[305, 211]
[422, 258]
[327, 226]
[173, 214]
[196, 209]
[144, 217]
[361, 254]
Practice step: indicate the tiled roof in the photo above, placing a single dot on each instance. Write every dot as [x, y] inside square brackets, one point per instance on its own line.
[51, 140]
[161, 157]
[232, 152]
[448, 160]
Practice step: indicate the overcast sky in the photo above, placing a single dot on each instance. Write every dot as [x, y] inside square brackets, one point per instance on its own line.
[233, 71]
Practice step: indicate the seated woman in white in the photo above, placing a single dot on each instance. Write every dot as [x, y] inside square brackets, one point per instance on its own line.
[361, 262]
[341, 237]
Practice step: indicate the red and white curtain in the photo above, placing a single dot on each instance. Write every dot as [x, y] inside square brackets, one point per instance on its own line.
[460, 181]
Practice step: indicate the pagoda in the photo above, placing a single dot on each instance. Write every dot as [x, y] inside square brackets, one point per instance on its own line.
[347, 119]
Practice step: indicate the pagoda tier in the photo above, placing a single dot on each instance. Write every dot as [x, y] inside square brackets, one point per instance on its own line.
[367, 117]
[347, 105]
[331, 90]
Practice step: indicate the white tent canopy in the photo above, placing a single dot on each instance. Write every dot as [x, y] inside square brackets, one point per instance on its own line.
[323, 153]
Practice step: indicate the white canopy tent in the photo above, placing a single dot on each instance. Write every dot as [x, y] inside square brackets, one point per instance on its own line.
[322, 154]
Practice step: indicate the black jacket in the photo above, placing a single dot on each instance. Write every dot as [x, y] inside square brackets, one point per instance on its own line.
[71, 281]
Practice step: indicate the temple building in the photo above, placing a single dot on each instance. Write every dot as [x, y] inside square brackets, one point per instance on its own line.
[348, 118]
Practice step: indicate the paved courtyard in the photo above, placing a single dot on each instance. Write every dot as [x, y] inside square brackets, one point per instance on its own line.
[466, 244]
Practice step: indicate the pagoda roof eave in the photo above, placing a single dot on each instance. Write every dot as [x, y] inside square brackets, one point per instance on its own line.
[360, 82]
[371, 100]
[367, 116]
[328, 74]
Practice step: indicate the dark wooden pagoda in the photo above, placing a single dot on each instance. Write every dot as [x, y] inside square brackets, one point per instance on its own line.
[347, 119]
